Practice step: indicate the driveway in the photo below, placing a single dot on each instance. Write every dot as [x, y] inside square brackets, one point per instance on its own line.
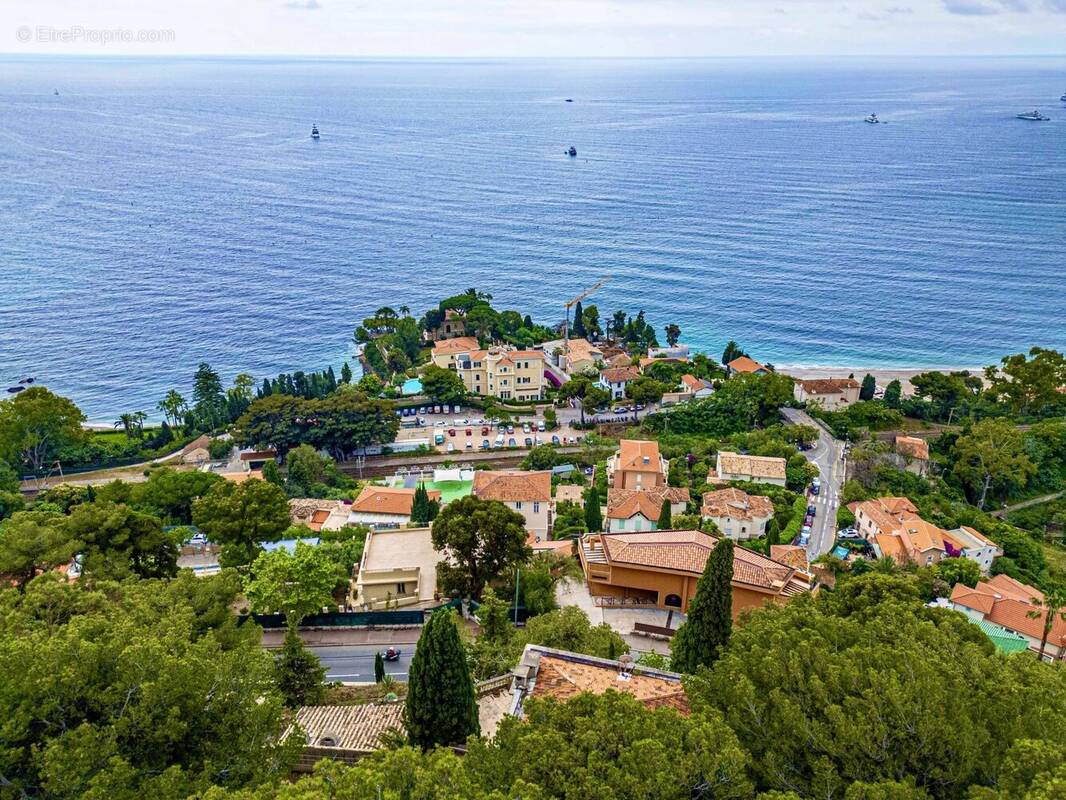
[827, 454]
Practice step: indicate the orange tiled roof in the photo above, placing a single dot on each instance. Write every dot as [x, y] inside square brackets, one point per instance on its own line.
[736, 504]
[745, 364]
[385, 500]
[620, 374]
[913, 446]
[513, 486]
[829, 385]
[687, 551]
[200, 442]
[460, 344]
[693, 383]
[619, 360]
[563, 678]
[755, 466]
[1007, 602]
[580, 349]
[887, 513]
[638, 455]
[626, 503]
[791, 555]
[893, 547]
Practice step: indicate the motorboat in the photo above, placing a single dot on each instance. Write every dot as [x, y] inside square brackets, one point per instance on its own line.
[570, 99]
[314, 131]
[872, 119]
[1032, 116]
[572, 152]
[15, 389]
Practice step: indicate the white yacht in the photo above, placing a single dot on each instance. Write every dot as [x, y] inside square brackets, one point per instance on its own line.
[872, 119]
[314, 131]
[1033, 116]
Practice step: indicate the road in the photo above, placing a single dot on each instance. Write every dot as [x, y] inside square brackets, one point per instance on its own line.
[356, 662]
[827, 455]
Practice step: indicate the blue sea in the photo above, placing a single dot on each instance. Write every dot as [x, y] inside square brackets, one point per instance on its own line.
[162, 212]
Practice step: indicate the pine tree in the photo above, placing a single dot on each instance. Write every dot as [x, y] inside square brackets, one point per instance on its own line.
[346, 373]
[441, 708]
[893, 394]
[271, 473]
[331, 380]
[298, 673]
[700, 641]
[593, 515]
[379, 667]
[666, 521]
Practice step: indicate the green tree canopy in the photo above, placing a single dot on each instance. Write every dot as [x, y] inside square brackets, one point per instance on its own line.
[241, 515]
[481, 540]
[299, 673]
[33, 542]
[442, 385]
[36, 425]
[169, 494]
[119, 542]
[295, 584]
[991, 456]
[593, 512]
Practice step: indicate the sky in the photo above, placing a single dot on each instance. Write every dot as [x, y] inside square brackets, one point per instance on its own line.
[534, 28]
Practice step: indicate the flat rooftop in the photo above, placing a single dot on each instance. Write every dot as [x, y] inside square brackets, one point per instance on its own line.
[404, 548]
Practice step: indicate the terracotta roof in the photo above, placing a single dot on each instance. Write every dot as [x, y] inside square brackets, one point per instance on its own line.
[313, 512]
[351, 728]
[1007, 602]
[978, 536]
[619, 374]
[259, 455]
[694, 383]
[563, 675]
[892, 547]
[971, 598]
[687, 551]
[828, 385]
[568, 492]
[460, 344]
[637, 455]
[791, 555]
[385, 500]
[241, 477]
[923, 535]
[887, 513]
[513, 486]
[563, 546]
[755, 466]
[913, 446]
[744, 364]
[736, 504]
[625, 503]
[581, 349]
[200, 442]
[649, 360]
[620, 360]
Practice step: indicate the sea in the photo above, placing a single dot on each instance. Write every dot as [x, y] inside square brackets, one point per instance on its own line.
[156, 213]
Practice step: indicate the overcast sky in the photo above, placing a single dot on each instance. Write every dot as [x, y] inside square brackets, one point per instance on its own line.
[536, 27]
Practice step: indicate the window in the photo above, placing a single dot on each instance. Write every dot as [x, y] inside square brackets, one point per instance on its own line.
[673, 601]
[536, 508]
[401, 588]
[518, 506]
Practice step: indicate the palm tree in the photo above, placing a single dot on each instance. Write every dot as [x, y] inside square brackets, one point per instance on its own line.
[172, 406]
[405, 310]
[139, 418]
[1053, 605]
[125, 421]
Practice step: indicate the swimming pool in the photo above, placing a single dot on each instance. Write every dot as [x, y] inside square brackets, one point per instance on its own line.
[411, 386]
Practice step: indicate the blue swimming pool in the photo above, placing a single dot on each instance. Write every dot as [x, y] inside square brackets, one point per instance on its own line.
[411, 386]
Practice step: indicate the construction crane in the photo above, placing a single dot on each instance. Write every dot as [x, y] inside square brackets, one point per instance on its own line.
[596, 286]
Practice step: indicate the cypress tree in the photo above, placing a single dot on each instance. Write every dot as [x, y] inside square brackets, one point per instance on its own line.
[869, 386]
[379, 667]
[331, 380]
[666, 521]
[265, 390]
[441, 707]
[699, 642]
[579, 324]
[346, 373]
[773, 534]
[593, 516]
[271, 473]
[420, 506]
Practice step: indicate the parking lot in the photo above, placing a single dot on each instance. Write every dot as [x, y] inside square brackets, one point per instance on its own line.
[455, 432]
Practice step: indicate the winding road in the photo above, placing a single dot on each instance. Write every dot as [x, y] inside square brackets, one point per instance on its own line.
[828, 455]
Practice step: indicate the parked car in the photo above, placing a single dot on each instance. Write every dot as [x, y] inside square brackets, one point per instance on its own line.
[484, 444]
[804, 540]
[484, 430]
[438, 439]
[555, 440]
[451, 447]
[499, 440]
[525, 427]
[806, 529]
[510, 428]
[511, 442]
[638, 407]
[812, 509]
[469, 444]
[847, 533]
[808, 520]
[422, 410]
[540, 426]
[451, 431]
[529, 442]
[469, 432]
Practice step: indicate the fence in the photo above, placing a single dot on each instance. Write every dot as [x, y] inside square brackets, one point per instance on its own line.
[343, 619]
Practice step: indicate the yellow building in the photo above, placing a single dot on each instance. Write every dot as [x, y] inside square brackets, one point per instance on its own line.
[497, 372]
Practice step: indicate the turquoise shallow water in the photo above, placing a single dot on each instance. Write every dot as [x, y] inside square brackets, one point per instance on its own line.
[159, 213]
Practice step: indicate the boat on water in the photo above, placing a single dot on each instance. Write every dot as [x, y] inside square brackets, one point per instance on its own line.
[15, 389]
[1063, 98]
[57, 92]
[26, 381]
[1032, 116]
[572, 152]
[872, 119]
[570, 99]
[314, 131]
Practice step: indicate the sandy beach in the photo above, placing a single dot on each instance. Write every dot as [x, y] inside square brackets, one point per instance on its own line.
[882, 376]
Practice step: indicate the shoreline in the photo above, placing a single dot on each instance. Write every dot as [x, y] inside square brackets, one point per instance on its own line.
[883, 375]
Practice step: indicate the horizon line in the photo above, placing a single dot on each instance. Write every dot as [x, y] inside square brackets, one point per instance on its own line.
[352, 57]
